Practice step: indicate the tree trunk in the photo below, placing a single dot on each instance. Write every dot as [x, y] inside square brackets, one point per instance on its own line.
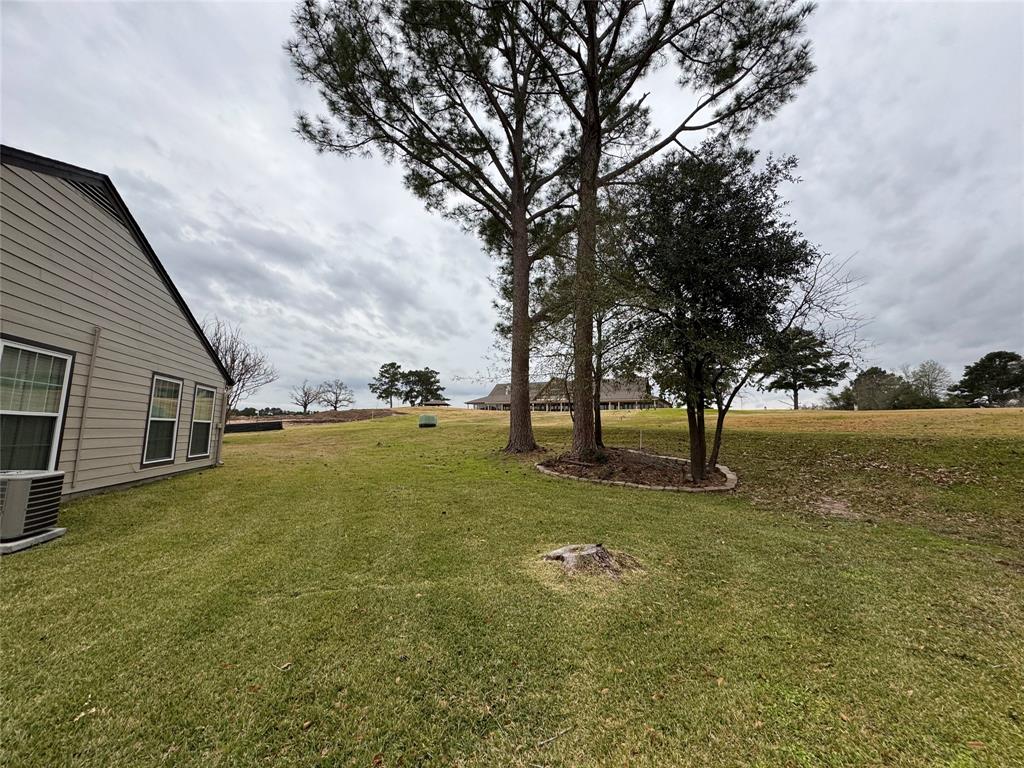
[598, 376]
[698, 441]
[584, 441]
[716, 446]
[796, 399]
[520, 419]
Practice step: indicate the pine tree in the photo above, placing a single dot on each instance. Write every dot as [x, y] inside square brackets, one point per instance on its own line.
[801, 360]
[457, 93]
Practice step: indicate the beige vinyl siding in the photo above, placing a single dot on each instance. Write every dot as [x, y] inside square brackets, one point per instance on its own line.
[67, 267]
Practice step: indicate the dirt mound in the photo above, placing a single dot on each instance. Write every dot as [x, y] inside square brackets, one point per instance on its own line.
[339, 417]
[322, 417]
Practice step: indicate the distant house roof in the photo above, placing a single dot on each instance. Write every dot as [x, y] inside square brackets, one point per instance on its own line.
[501, 393]
[557, 390]
[440, 402]
[100, 189]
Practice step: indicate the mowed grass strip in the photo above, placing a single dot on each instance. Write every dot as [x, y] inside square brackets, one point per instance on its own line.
[369, 594]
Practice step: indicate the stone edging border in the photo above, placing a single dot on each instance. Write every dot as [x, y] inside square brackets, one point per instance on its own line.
[730, 478]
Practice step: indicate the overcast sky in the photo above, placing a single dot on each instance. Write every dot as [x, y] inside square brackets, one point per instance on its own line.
[910, 136]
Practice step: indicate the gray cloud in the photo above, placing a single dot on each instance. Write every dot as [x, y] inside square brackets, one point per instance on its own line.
[909, 135]
[911, 147]
[329, 264]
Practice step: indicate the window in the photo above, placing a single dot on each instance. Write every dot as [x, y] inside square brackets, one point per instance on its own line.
[202, 422]
[33, 390]
[162, 429]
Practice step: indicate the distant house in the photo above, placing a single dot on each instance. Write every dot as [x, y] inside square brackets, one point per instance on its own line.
[104, 372]
[439, 403]
[554, 395]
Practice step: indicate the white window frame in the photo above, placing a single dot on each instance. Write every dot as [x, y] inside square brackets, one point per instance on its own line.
[58, 424]
[150, 419]
[192, 425]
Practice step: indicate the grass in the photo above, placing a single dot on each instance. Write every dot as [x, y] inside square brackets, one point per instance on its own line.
[369, 594]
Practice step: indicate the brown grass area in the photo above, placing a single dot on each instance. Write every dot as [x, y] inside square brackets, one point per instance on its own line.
[952, 422]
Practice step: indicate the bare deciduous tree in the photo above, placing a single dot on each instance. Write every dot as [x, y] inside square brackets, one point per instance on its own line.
[930, 379]
[336, 394]
[247, 364]
[304, 395]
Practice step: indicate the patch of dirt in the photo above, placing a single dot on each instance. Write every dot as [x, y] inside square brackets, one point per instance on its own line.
[838, 509]
[340, 417]
[593, 559]
[1013, 565]
[626, 466]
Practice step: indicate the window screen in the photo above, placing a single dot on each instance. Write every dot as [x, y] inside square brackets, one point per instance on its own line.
[202, 422]
[162, 429]
[33, 386]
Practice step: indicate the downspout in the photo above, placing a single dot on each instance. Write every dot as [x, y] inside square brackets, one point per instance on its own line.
[96, 332]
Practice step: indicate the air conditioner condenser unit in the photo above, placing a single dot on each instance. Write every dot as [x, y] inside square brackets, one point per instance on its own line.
[29, 505]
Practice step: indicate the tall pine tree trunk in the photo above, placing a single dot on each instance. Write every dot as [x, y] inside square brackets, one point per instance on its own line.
[584, 439]
[520, 420]
[598, 377]
[796, 398]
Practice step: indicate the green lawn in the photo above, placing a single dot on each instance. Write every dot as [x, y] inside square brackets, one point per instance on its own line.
[369, 594]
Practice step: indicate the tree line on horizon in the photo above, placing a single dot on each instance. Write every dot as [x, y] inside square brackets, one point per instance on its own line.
[995, 380]
[414, 387]
[333, 394]
[800, 361]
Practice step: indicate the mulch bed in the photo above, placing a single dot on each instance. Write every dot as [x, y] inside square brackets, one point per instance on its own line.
[626, 466]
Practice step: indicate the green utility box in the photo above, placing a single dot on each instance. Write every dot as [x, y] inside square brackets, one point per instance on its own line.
[428, 421]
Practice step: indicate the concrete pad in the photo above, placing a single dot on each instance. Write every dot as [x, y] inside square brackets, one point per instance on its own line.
[10, 547]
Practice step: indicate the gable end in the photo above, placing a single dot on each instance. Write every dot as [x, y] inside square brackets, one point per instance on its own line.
[98, 188]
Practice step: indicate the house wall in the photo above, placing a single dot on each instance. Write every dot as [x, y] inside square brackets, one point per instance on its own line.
[68, 267]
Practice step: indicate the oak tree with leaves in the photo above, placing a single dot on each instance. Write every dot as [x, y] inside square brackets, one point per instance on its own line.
[715, 266]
